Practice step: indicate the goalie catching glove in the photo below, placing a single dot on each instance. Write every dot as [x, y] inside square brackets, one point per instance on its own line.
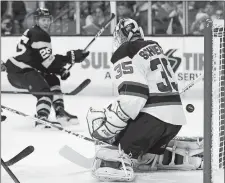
[106, 123]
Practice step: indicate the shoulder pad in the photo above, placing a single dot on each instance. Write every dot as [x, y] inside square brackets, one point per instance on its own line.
[120, 53]
[130, 49]
[37, 34]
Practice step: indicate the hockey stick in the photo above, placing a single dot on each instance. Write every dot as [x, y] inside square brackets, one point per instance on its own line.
[190, 85]
[52, 125]
[75, 157]
[11, 174]
[79, 159]
[96, 36]
[24, 153]
[74, 92]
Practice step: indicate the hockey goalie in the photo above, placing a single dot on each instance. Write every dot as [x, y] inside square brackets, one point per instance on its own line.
[141, 123]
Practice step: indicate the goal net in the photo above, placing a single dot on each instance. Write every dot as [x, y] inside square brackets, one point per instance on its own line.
[214, 98]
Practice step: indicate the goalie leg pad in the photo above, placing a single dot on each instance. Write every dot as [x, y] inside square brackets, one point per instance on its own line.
[112, 164]
[182, 155]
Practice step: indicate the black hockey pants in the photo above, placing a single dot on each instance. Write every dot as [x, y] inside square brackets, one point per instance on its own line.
[146, 134]
[35, 81]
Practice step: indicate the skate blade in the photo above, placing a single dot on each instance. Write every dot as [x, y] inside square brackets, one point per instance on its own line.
[74, 121]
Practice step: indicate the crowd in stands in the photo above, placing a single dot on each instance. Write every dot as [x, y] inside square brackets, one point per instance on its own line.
[87, 17]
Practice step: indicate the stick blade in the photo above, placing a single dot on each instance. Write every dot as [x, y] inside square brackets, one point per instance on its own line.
[113, 16]
[80, 87]
[24, 153]
[75, 157]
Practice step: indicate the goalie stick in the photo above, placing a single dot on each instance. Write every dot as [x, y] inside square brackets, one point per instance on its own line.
[75, 157]
[78, 89]
[11, 174]
[24, 153]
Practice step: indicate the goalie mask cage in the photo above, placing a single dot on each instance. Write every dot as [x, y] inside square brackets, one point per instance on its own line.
[214, 110]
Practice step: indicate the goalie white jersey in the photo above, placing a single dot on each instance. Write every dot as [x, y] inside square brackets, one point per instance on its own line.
[146, 82]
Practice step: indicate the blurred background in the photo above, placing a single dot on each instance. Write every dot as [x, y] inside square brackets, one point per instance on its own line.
[87, 17]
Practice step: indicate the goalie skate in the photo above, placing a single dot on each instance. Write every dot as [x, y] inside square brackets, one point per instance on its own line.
[66, 119]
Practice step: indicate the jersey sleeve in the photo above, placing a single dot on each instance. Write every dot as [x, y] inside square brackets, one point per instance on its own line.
[131, 83]
[59, 62]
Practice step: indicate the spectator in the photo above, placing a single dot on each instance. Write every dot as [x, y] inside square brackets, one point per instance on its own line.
[125, 10]
[214, 10]
[168, 6]
[7, 25]
[218, 15]
[160, 18]
[64, 17]
[99, 14]
[141, 15]
[19, 12]
[209, 9]
[84, 12]
[99, 18]
[192, 11]
[198, 25]
[14, 12]
[176, 24]
[4, 5]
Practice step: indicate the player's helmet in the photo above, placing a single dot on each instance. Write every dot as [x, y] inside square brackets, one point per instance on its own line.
[42, 12]
[125, 30]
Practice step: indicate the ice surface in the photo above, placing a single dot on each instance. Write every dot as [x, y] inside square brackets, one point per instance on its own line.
[45, 165]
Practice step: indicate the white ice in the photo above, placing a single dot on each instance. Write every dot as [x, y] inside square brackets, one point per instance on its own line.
[45, 165]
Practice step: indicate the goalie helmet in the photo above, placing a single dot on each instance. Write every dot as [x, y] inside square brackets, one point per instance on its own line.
[125, 30]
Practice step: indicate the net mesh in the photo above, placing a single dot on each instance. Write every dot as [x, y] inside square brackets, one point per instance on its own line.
[218, 83]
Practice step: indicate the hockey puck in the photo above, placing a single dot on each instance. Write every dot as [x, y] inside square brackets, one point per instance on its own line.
[190, 108]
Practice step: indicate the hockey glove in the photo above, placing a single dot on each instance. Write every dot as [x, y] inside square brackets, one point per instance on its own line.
[3, 67]
[76, 56]
[3, 117]
[64, 73]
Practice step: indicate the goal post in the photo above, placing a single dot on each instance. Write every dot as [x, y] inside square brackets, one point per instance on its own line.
[214, 101]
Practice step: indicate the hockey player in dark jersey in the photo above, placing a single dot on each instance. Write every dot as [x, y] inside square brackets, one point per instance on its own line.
[147, 114]
[36, 69]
